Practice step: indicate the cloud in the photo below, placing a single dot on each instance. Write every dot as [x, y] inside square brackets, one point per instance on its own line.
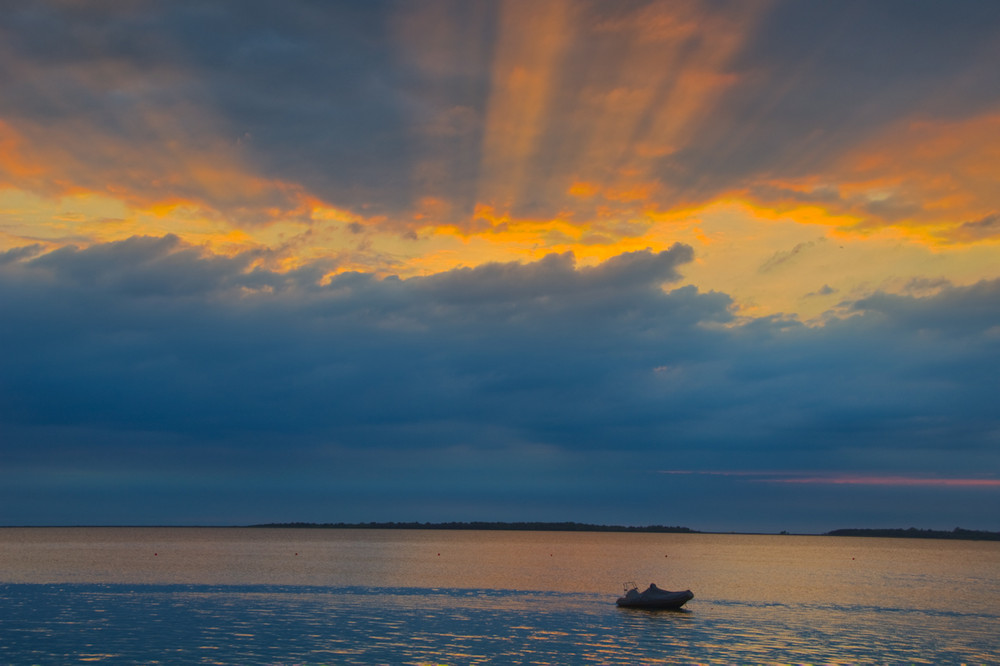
[780, 258]
[377, 110]
[170, 300]
[987, 227]
[144, 267]
[788, 116]
[266, 172]
[20, 253]
[155, 105]
[149, 358]
[957, 311]
[556, 282]
[825, 290]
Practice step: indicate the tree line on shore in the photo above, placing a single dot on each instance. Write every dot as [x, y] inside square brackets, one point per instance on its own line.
[515, 526]
[909, 533]
[914, 533]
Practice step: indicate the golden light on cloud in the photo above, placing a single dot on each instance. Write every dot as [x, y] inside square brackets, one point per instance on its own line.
[532, 39]
[581, 108]
[931, 182]
[536, 128]
[944, 175]
[583, 189]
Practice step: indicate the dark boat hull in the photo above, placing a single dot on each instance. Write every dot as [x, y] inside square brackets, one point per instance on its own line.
[661, 600]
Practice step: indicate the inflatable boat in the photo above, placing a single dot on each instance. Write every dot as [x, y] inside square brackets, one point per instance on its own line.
[653, 598]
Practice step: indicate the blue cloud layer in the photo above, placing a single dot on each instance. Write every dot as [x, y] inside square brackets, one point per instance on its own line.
[147, 381]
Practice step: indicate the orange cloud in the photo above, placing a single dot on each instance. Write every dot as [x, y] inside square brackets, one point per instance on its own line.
[15, 165]
[934, 181]
[202, 189]
[583, 190]
[532, 39]
[170, 167]
[579, 105]
[940, 175]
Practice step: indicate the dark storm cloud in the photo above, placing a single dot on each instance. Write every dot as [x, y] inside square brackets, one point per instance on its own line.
[149, 364]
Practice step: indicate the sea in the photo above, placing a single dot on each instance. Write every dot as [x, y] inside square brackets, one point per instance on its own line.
[354, 596]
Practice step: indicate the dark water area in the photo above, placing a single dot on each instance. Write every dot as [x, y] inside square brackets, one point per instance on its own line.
[333, 597]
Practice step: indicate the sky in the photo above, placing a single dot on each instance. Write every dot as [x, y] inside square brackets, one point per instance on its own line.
[733, 266]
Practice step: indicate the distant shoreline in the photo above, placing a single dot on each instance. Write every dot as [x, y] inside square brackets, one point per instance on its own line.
[910, 533]
[914, 533]
[500, 526]
[892, 533]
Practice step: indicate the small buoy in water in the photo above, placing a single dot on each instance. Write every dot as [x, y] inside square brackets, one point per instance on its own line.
[155, 554]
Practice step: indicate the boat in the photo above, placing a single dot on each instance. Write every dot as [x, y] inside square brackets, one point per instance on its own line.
[653, 598]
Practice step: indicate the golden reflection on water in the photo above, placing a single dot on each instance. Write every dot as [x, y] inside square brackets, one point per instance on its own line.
[754, 569]
[357, 596]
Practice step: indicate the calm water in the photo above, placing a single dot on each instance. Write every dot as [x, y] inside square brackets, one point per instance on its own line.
[241, 596]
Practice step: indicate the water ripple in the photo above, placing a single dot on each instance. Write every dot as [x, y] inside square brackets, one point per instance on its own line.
[118, 624]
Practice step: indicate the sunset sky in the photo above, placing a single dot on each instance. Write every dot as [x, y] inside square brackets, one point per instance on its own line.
[733, 266]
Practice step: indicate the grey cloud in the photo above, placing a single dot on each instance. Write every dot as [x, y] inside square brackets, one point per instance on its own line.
[312, 84]
[324, 382]
[817, 80]
[820, 195]
[825, 290]
[19, 253]
[781, 258]
[338, 101]
[143, 267]
[556, 280]
[925, 286]
[975, 230]
[146, 286]
[954, 311]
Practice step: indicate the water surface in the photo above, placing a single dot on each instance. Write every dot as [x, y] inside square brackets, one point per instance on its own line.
[207, 595]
